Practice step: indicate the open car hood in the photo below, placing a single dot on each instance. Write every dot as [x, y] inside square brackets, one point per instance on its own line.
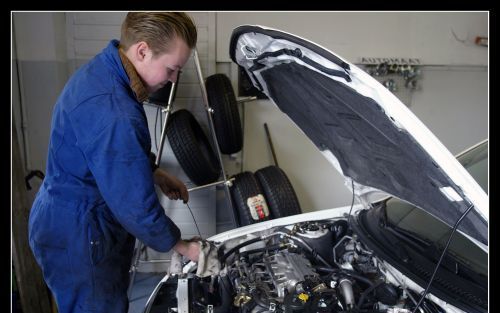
[364, 131]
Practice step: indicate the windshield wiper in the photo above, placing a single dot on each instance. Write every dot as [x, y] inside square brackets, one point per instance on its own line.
[431, 250]
[409, 237]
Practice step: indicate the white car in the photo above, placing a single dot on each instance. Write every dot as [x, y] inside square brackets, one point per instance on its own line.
[391, 251]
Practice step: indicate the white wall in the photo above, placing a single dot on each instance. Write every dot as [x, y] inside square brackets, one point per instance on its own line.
[452, 100]
[40, 66]
[352, 35]
[453, 103]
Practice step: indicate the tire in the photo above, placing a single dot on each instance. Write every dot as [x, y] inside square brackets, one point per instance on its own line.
[279, 192]
[249, 199]
[192, 148]
[226, 117]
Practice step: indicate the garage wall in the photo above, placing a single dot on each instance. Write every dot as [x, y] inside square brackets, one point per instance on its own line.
[453, 103]
[452, 99]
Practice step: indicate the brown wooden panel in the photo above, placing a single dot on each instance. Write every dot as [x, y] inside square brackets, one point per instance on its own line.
[32, 289]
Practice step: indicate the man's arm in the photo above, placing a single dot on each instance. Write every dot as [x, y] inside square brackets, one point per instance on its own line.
[121, 168]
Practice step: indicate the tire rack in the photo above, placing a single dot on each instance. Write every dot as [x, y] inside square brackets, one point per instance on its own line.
[139, 245]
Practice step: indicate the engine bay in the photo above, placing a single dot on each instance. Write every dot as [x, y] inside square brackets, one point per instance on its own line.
[314, 266]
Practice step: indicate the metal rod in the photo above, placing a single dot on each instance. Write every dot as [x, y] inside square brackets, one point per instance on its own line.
[208, 110]
[212, 130]
[207, 185]
[246, 99]
[23, 116]
[242, 102]
[164, 129]
[155, 261]
[270, 144]
[243, 145]
[135, 264]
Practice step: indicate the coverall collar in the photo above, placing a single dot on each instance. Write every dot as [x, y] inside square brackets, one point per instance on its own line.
[136, 83]
[125, 69]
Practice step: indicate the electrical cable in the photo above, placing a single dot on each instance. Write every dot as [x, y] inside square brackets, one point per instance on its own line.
[442, 256]
[199, 233]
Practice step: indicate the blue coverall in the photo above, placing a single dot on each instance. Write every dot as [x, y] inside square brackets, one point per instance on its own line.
[98, 192]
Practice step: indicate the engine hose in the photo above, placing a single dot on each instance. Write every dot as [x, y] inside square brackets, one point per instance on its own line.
[304, 245]
[246, 243]
[234, 249]
[357, 277]
[278, 246]
[225, 295]
[296, 239]
[346, 272]
[367, 292]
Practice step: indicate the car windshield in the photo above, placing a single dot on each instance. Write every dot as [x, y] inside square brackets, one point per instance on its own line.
[406, 216]
[475, 162]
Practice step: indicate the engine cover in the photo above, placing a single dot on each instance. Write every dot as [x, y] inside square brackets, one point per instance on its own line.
[287, 269]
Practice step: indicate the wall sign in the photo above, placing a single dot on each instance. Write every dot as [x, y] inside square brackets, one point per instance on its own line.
[390, 61]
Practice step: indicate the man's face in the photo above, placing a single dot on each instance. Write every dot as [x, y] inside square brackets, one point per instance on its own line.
[157, 70]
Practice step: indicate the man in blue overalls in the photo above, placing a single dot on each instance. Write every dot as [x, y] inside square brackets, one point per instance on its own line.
[98, 193]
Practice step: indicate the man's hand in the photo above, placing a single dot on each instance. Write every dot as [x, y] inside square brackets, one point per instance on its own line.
[189, 249]
[172, 187]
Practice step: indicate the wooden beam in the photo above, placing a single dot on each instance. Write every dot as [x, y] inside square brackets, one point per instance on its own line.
[33, 292]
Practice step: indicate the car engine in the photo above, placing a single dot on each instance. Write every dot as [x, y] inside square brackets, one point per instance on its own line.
[317, 266]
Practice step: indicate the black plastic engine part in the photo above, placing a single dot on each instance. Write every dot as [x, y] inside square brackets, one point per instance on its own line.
[319, 239]
[387, 294]
[324, 302]
[165, 298]
[339, 229]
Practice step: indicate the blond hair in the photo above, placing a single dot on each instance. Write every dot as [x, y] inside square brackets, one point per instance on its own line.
[157, 29]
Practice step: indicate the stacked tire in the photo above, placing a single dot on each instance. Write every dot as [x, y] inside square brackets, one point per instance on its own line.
[262, 196]
[278, 191]
[192, 148]
[190, 144]
[226, 116]
[249, 200]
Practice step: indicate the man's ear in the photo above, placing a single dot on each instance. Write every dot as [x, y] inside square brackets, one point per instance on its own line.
[142, 49]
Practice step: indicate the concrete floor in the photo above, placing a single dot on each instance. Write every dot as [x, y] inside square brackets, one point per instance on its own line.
[144, 285]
